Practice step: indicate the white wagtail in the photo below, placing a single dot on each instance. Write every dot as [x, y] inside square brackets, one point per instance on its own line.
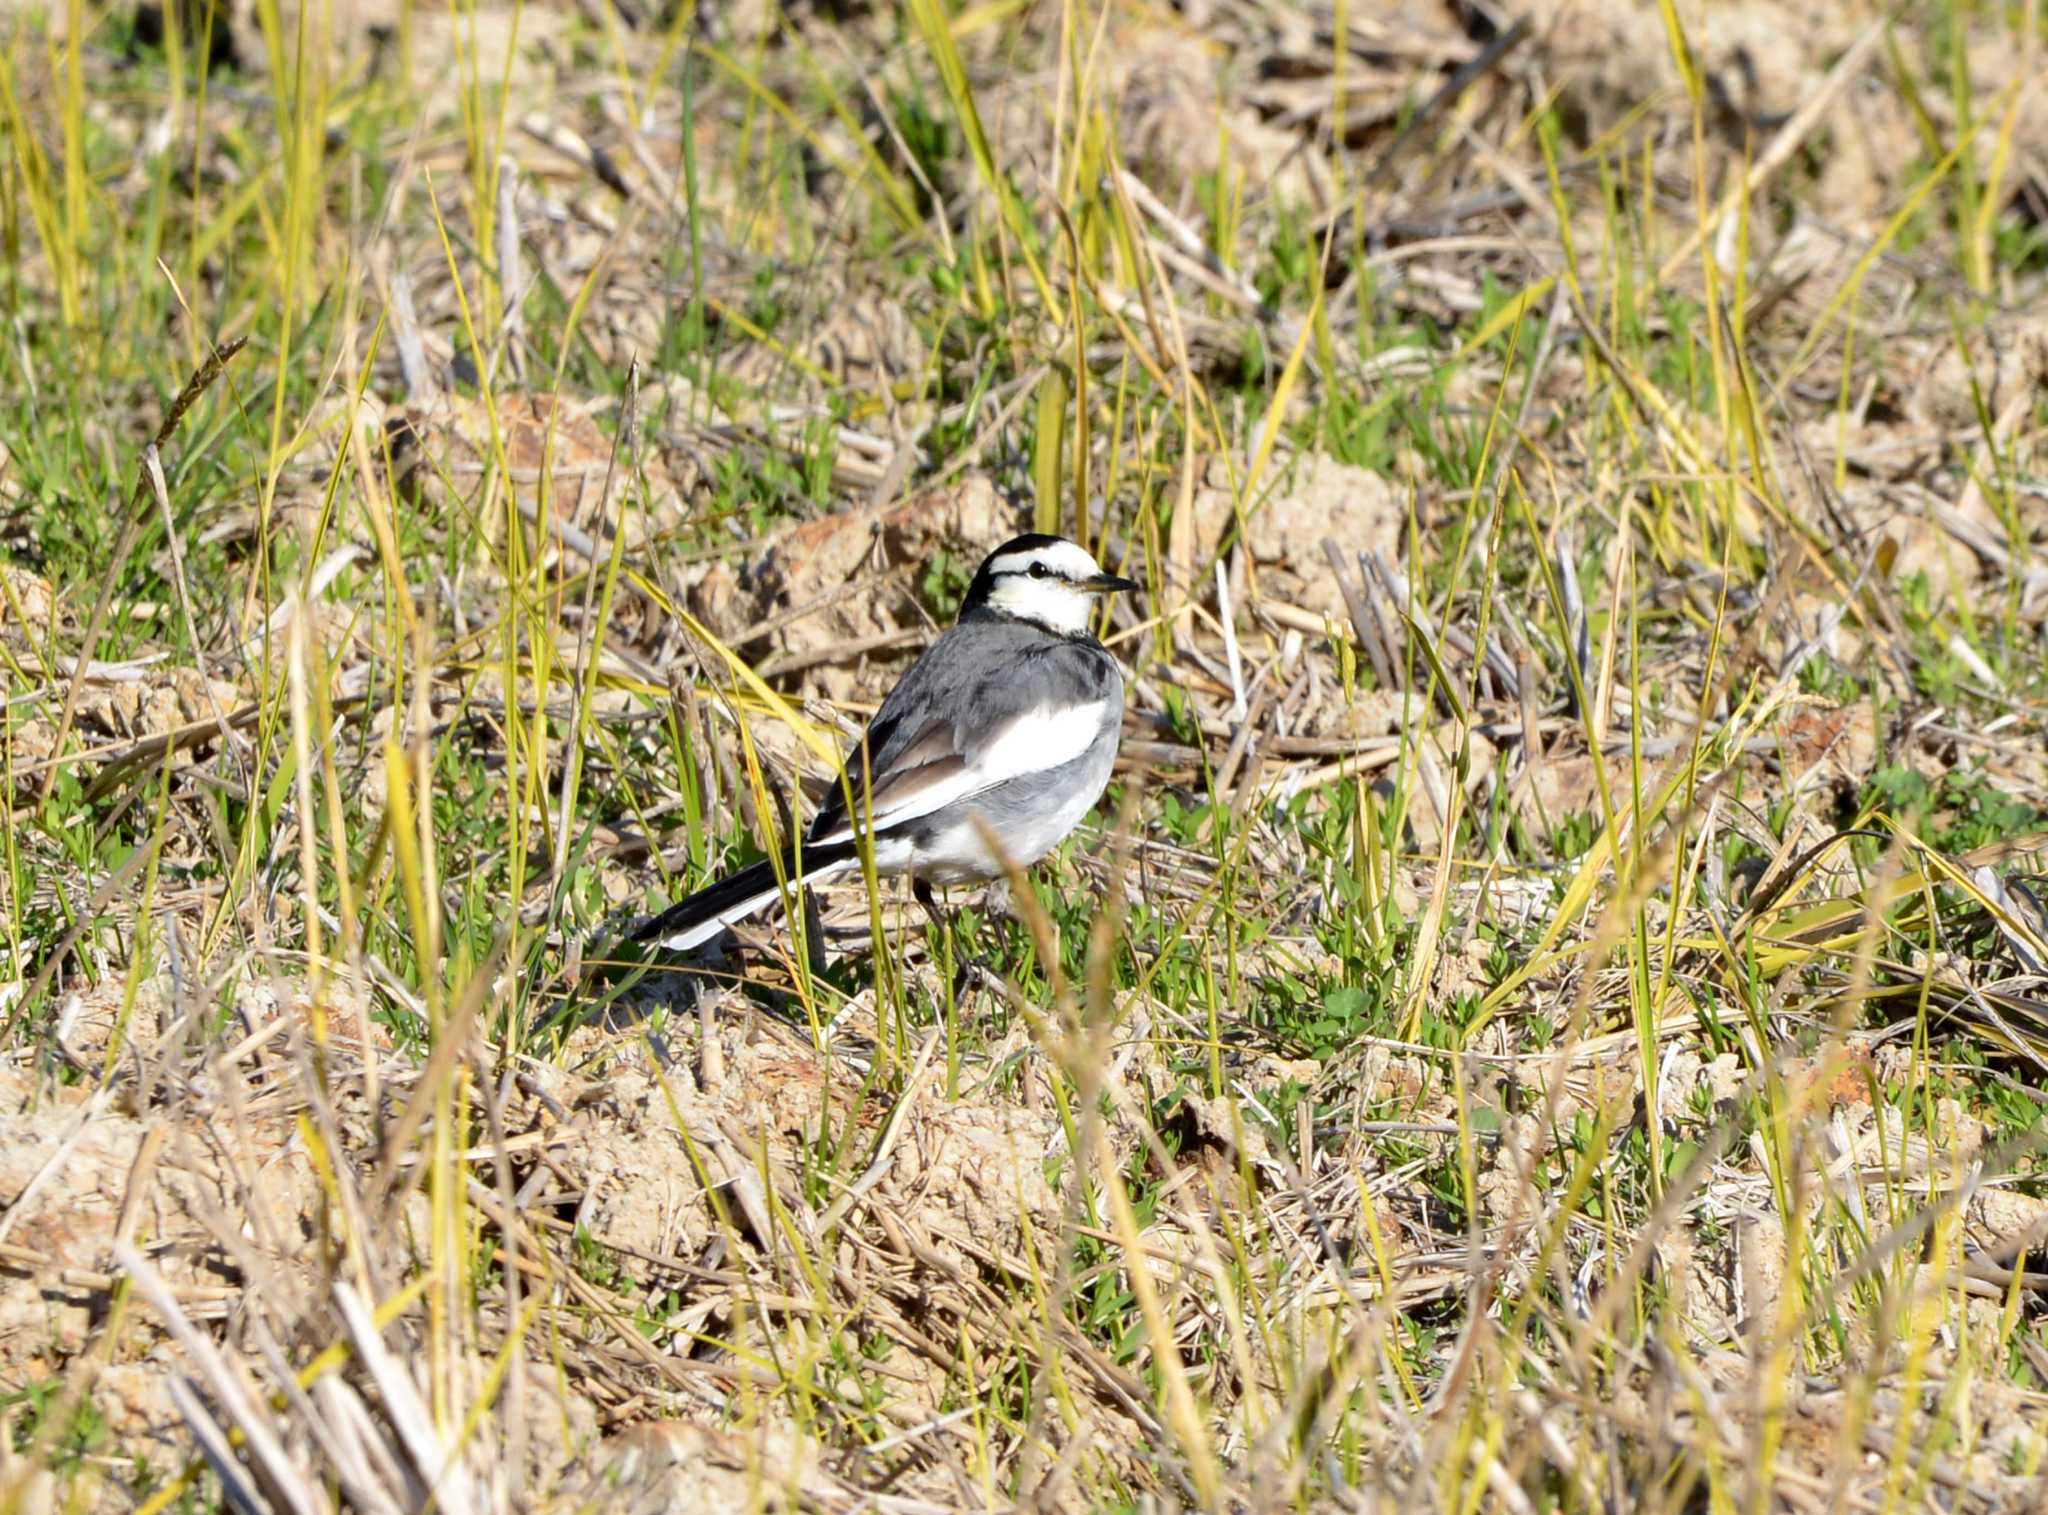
[1004, 731]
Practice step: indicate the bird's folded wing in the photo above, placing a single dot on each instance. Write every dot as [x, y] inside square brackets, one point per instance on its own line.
[944, 764]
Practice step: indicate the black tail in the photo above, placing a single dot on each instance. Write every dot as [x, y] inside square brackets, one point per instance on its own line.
[694, 920]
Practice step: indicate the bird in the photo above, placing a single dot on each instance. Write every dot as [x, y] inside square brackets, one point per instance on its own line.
[1004, 731]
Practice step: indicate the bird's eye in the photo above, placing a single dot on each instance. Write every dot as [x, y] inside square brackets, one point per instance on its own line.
[1036, 570]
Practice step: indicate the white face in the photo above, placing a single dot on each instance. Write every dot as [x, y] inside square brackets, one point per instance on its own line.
[1043, 584]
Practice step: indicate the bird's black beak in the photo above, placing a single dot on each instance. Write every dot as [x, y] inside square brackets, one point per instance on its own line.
[1109, 583]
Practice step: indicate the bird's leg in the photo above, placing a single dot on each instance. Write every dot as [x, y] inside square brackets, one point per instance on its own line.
[930, 901]
[1003, 919]
[960, 977]
[938, 940]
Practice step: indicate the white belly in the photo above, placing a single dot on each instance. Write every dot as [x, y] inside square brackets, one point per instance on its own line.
[960, 853]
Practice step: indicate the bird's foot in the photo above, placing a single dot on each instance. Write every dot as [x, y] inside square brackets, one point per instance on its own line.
[976, 972]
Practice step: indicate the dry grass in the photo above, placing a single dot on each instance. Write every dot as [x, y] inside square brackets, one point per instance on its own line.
[1551, 1014]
